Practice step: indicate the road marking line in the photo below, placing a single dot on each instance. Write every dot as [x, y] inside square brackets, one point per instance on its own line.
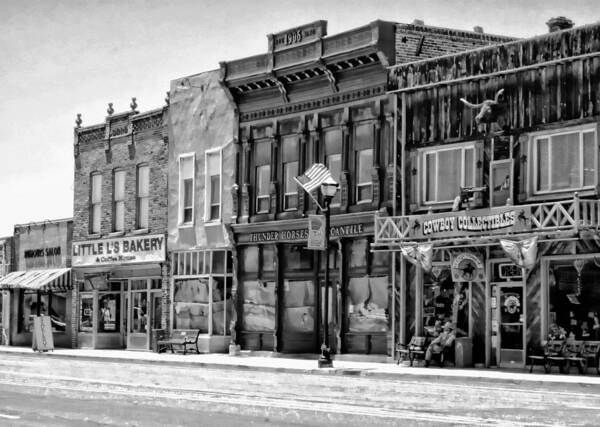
[10, 417]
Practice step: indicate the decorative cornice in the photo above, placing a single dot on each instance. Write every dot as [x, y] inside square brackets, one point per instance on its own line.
[334, 99]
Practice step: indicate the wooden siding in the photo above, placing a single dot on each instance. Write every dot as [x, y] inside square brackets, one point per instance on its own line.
[552, 78]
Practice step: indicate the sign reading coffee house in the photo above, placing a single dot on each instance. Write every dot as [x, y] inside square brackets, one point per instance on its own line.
[122, 250]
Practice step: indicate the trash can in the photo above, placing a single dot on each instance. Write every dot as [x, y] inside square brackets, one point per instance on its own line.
[463, 352]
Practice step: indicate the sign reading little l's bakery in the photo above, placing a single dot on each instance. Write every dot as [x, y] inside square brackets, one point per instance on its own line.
[500, 220]
[122, 250]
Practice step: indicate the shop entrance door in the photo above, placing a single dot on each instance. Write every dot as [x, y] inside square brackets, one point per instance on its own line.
[143, 308]
[511, 317]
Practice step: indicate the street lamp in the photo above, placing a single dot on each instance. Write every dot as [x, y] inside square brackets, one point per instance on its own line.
[328, 190]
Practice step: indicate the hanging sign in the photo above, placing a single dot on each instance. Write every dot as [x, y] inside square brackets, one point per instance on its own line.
[467, 267]
[316, 232]
[500, 220]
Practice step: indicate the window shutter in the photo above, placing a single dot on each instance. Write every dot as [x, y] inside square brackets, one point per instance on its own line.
[412, 175]
[523, 162]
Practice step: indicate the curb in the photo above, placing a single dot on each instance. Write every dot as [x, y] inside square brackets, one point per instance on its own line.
[404, 373]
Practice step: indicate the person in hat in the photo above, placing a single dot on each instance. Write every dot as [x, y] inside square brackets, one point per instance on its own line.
[441, 343]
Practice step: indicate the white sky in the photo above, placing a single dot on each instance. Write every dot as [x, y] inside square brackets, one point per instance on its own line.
[60, 58]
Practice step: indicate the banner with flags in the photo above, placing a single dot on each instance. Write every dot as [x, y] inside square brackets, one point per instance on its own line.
[316, 175]
[522, 253]
[419, 255]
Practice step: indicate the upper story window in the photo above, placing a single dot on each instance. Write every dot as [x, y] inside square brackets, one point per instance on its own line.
[213, 185]
[444, 169]
[186, 188]
[565, 160]
[289, 156]
[119, 200]
[332, 139]
[95, 202]
[262, 162]
[143, 195]
[363, 155]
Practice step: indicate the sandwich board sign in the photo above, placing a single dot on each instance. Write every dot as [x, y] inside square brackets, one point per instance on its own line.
[42, 339]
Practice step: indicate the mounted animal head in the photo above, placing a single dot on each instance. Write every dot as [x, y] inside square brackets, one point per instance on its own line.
[490, 109]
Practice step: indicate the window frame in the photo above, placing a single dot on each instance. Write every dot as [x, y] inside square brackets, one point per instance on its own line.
[93, 205]
[208, 203]
[290, 193]
[258, 164]
[139, 198]
[360, 185]
[180, 213]
[422, 169]
[328, 153]
[534, 138]
[120, 201]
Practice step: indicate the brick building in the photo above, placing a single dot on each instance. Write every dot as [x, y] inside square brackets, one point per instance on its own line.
[319, 98]
[120, 224]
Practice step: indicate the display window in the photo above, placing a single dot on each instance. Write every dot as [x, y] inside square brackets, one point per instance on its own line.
[28, 310]
[202, 291]
[575, 298]
[368, 304]
[86, 313]
[445, 301]
[259, 306]
[109, 311]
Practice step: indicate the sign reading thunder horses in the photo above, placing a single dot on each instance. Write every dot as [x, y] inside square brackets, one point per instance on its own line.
[121, 250]
[501, 220]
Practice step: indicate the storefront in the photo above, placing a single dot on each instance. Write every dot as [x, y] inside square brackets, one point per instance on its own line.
[119, 284]
[280, 301]
[41, 284]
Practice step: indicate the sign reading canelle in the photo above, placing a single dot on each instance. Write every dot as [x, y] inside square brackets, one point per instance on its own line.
[122, 250]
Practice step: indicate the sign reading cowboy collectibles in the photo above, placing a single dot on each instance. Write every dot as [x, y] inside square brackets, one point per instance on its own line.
[501, 220]
[302, 234]
[122, 250]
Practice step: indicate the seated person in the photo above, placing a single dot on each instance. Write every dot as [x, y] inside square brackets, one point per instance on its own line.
[441, 343]
[556, 332]
[435, 330]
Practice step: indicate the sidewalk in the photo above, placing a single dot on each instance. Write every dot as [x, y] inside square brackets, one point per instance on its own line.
[248, 361]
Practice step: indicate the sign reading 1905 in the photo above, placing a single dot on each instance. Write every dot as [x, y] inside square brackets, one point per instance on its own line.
[293, 37]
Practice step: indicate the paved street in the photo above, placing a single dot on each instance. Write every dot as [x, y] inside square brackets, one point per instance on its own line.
[40, 390]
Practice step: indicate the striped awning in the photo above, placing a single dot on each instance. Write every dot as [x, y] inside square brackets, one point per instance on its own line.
[55, 280]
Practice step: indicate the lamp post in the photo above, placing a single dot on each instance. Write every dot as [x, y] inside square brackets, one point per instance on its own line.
[328, 191]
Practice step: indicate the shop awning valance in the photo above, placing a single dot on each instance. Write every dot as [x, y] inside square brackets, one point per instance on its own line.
[55, 280]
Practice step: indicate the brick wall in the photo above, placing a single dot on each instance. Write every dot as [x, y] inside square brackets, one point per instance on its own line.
[123, 152]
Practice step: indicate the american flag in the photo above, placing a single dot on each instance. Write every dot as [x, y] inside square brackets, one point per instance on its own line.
[316, 175]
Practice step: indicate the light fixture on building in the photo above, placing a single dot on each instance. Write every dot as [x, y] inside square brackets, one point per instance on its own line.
[185, 84]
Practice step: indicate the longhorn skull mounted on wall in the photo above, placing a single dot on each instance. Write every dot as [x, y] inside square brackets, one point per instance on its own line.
[491, 111]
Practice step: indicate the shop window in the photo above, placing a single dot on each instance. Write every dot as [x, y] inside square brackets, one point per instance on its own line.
[444, 170]
[119, 200]
[262, 179]
[445, 301]
[367, 305]
[358, 253]
[109, 311]
[268, 258]
[28, 304]
[289, 156]
[213, 186]
[259, 306]
[143, 195]
[299, 306]
[95, 202]
[575, 298]
[297, 258]
[186, 189]
[222, 309]
[333, 158]
[565, 160]
[190, 302]
[218, 262]
[86, 313]
[249, 259]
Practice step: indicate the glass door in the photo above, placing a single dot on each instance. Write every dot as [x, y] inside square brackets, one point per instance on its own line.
[511, 325]
[138, 337]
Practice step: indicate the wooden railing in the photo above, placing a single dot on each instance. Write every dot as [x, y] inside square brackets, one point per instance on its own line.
[566, 215]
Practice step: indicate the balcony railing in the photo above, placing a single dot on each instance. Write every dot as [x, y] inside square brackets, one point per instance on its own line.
[571, 215]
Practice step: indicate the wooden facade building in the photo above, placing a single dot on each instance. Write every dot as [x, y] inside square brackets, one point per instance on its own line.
[524, 170]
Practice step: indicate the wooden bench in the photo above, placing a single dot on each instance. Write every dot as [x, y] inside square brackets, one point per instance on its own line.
[591, 352]
[415, 348]
[573, 356]
[555, 356]
[180, 339]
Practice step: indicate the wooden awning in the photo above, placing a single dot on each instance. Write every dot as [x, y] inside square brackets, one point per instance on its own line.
[55, 280]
